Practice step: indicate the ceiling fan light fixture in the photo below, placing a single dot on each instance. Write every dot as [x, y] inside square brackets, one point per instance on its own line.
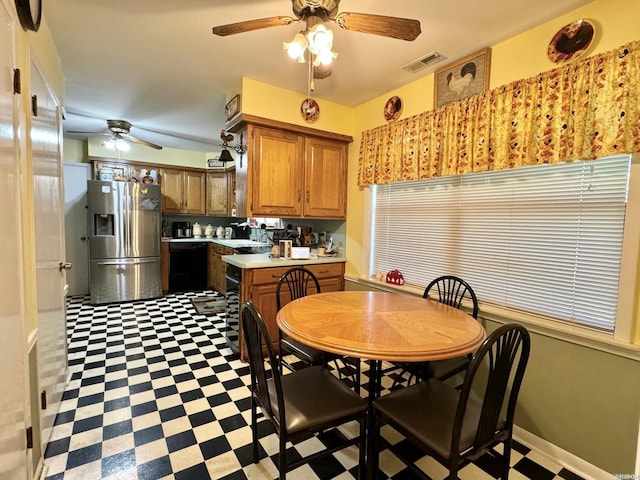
[117, 143]
[320, 39]
[296, 47]
[325, 58]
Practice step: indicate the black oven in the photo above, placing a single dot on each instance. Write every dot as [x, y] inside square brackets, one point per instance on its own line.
[233, 278]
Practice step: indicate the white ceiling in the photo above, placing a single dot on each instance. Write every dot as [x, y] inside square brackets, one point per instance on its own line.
[156, 63]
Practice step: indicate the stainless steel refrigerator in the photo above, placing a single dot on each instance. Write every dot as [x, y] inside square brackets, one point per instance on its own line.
[124, 241]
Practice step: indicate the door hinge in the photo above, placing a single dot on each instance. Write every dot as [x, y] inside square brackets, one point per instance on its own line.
[17, 84]
[29, 437]
[43, 400]
[34, 105]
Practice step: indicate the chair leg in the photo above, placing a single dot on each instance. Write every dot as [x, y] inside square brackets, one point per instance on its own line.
[506, 458]
[282, 458]
[453, 472]
[373, 449]
[363, 445]
[254, 428]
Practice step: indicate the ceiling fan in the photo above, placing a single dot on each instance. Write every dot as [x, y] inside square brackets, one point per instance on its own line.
[314, 12]
[119, 130]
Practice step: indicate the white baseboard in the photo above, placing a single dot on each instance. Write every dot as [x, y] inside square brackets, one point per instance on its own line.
[576, 464]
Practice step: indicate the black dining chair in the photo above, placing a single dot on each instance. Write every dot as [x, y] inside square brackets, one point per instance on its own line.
[453, 291]
[458, 426]
[295, 283]
[300, 404]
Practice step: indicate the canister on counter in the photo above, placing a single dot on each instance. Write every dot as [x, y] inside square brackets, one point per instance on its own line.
[285, 248]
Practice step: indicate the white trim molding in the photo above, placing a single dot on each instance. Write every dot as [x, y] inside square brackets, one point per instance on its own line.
[568, 460]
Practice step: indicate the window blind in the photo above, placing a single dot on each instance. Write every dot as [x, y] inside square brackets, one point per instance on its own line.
[544, 239]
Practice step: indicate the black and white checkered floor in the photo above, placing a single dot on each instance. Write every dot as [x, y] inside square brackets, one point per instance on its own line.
[155, 393]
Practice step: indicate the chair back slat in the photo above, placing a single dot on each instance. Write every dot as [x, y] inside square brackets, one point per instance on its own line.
[298, 282]
[453, 291]
[504, 354]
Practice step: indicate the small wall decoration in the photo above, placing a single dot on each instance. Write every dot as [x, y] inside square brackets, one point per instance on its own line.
[465, 78]
[392, 109]
[232, 108]
[310, 110]
[571, 41]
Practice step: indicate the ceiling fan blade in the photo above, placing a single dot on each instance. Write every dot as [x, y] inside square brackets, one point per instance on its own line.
[141, 142]
[394, 27]
[321, 71]
[249, 25]
[101, 132]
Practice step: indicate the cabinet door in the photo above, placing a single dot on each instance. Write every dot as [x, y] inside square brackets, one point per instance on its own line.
[325, 183]
[264, 298]
[218, 193]
[172, 190]
[276, 172]
[194, 192]
[211, 265]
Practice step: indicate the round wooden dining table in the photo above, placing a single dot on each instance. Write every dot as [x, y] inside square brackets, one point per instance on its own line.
[380, 326]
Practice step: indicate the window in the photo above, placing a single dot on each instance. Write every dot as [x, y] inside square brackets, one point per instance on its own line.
[544, 239]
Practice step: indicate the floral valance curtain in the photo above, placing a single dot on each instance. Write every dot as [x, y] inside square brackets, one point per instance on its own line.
[584, 110]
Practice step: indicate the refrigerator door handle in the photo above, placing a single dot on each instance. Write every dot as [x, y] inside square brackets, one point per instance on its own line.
[127, 261]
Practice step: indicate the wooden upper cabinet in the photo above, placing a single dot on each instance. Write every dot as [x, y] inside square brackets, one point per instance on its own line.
[290, 173]
[195, 192]
[276, 173]
[183, 191]
[172, 190]
[220, 193]
[325, 172]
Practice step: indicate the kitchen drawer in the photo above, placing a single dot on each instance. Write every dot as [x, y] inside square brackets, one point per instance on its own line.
[272, 275]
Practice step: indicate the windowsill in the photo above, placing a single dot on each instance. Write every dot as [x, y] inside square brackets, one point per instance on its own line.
[583, 336]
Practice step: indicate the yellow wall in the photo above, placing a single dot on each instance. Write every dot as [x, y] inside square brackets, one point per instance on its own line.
[141, 153]
[522, 56]
[267, 101]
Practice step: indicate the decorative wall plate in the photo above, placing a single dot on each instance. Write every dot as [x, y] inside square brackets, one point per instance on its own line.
[310, 110]
[571, 41]
[392, 109]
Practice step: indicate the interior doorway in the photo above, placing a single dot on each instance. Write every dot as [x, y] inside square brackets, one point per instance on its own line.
[75, 177]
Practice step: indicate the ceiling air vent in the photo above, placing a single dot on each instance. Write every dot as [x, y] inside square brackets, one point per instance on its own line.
[423, 62]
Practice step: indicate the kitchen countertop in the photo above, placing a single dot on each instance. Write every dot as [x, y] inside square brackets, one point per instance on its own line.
[231, 242]
[264, 260]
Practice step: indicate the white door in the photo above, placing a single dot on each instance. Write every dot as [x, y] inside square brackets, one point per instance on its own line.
[48, 209]
[75, 226]
[13, 394]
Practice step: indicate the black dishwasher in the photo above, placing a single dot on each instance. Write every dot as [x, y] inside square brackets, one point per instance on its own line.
[187, 266]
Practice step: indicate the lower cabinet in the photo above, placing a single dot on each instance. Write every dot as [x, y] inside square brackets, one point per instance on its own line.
[216, 268]
[259, 286]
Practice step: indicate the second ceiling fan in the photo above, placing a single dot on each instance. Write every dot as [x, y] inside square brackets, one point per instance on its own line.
[315, 13]
[119, 130]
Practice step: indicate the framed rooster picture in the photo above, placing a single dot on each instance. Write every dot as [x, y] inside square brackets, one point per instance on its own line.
[462, 79]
